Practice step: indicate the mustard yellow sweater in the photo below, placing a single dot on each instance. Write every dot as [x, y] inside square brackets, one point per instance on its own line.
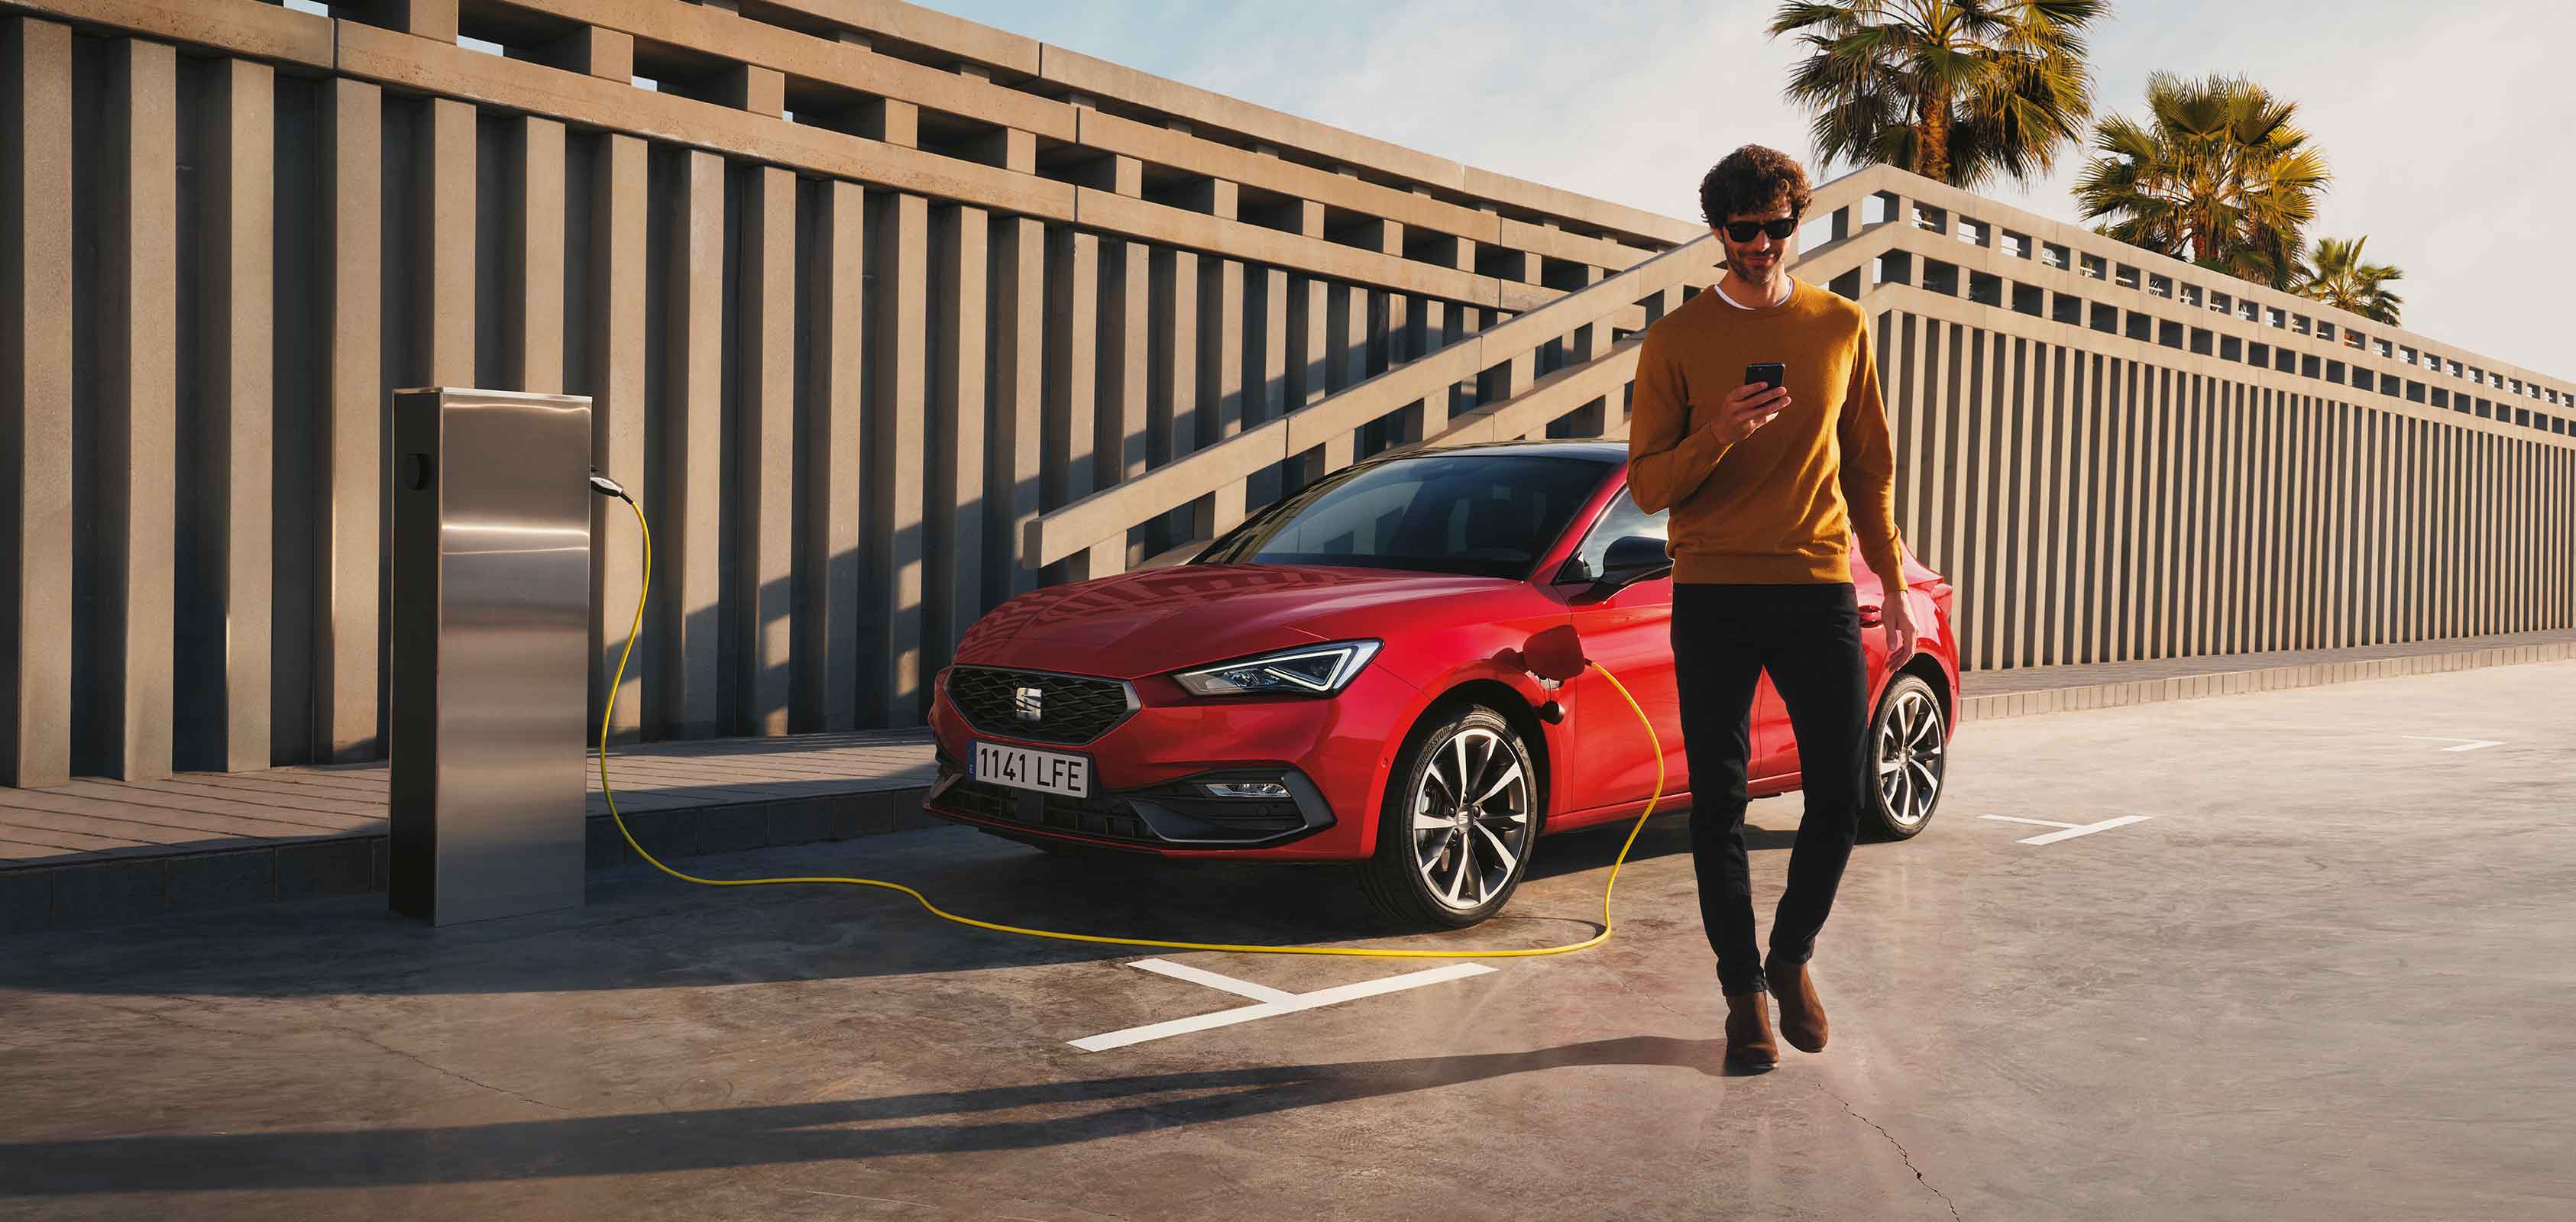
[1786, 504]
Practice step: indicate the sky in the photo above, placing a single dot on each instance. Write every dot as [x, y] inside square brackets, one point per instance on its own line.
[2444, 126]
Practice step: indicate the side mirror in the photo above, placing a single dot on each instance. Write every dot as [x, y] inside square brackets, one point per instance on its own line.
[1634, 558]
[1631, 559]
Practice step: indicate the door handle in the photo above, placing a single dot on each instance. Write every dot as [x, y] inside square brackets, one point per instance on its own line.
[1869, 615]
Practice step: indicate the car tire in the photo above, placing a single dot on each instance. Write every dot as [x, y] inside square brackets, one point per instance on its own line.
[1905, 767]
[1459, 862]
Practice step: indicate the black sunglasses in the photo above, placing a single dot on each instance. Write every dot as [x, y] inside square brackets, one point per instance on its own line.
[1743, 231]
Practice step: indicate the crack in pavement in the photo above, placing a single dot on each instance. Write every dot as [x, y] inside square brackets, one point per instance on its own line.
[1900, 1149]
[426, 1064]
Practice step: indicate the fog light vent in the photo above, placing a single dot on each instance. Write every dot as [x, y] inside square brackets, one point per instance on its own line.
[1246, 789]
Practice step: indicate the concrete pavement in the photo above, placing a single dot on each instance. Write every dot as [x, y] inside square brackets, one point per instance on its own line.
[2327, 976]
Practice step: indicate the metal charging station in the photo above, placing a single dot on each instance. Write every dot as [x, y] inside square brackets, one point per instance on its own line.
[490, 614]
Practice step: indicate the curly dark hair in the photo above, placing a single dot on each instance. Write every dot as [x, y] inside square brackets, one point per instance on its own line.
[1753, 179]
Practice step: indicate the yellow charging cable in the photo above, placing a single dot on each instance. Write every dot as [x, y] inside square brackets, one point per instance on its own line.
[1156, 943]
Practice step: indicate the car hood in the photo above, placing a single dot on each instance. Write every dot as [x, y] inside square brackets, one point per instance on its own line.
[1142, 623]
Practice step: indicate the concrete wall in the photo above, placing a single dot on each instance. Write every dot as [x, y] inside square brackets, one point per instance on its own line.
[889, 316]
[859, 290]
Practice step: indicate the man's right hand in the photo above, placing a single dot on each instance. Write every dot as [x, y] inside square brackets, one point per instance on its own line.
[1749, 408]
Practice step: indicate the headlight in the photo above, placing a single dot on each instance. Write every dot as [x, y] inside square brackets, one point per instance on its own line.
[1308, 670]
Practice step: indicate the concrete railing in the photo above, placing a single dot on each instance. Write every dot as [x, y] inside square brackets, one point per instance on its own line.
[1510, 400]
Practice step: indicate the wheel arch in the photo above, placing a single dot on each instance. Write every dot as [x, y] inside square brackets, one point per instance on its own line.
[1929, 669]
[1513, 707]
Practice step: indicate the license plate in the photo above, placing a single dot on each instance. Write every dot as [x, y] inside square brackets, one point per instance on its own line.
[1026, 768]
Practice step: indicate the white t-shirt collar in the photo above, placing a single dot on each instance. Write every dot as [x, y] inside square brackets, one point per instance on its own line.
[1720, 286]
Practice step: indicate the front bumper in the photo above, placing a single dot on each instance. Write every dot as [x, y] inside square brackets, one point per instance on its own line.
[1173, 815]
[1331, 754]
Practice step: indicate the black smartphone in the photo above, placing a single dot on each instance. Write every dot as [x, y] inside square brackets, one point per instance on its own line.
[1767, 373]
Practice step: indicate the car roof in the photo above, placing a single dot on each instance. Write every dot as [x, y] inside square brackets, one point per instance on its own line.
[1568, 447]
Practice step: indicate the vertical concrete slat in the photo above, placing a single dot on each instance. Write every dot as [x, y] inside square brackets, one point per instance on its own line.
[834, 498]
[2225, 515]
[1265, 371]
[2044, 607]
[898, 367]
[137, 405]
[537, 257]
[1016, 430]
[445, 301]
[2329, 428]
[2411, 569]
[764, 475]
[1986, 495]
[1955, 409]
[35, 401]
[2272, 566]
[2163, 585]
[237, 311]
[1123, 408]
[2137, 422]
[692, 448]
[2290, 558]
[1172, 407]
[959, 274]
[2326, 451]
[2197, 567]
[2029, 429]
[1974, 495]
[2369, 503]
[2076, 450]
[1347, 321]
[350, 602]
[1223, 345]
[2378, 553]
[2229, 490]
[1904, 343]
[1071, 471]
[619, 347]
[1309, 370]
[1431, 323]
[2347, 444]
[2446, 531]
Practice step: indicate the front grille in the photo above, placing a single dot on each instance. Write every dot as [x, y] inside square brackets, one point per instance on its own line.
[1105, 818]
[1072, 709]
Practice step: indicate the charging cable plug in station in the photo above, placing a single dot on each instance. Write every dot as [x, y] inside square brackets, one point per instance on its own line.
[1555, 656]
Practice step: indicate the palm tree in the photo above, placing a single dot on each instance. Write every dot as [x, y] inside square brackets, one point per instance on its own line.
[2220, 175]
[1963, 91]
[2339, 278]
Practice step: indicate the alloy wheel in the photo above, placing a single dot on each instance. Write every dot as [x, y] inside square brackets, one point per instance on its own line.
[1471, 818]
[1910, 758]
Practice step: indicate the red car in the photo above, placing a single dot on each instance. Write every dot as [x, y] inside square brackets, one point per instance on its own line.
[1336, 680]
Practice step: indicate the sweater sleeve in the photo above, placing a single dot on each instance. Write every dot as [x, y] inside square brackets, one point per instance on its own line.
[1868, 466]
[1665, 464]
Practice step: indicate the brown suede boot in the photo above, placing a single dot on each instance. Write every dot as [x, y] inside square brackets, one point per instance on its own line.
[1802, 1013]
[1748, 1030]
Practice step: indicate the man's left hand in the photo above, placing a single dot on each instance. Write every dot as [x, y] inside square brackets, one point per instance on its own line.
[1898, 614]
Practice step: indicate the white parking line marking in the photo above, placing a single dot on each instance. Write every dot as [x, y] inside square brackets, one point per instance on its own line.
[1243, 988]
[2466, 744]
[1286, 1003]
[2071, 830]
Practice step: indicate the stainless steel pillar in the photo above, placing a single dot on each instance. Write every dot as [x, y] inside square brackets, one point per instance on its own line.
[490, 613]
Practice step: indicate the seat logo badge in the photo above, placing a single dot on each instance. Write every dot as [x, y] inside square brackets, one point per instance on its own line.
[1024, 703]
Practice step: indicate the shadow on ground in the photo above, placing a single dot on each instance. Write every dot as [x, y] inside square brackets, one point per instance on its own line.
[937, 1122]
[642, 930]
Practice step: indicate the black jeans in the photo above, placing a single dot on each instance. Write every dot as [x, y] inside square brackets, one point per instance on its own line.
[1808, 637]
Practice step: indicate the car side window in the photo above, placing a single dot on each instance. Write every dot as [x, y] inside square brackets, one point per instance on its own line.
[1617, 522]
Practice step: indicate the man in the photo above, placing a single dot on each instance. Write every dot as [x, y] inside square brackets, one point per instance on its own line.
[1765, 486]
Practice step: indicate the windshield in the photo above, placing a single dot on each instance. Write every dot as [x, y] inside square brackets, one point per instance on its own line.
[1479, 515]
